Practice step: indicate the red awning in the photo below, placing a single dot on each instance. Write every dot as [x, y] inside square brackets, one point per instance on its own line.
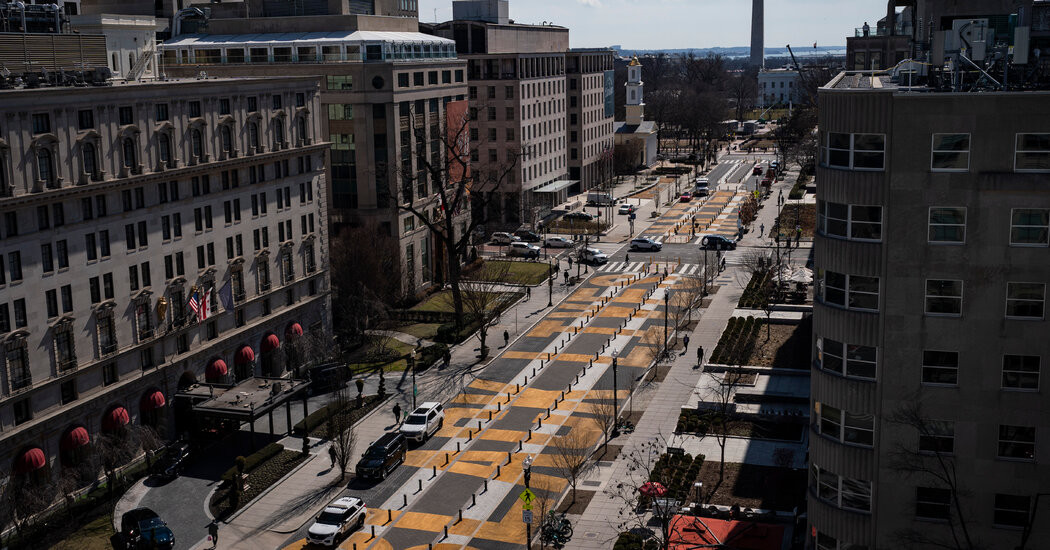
[271, 343]
[688, 532]
[152, 401]
[30, 461]
[74, 439]
[244, 356]
[294, 330]
[216, 370]
[116, 419]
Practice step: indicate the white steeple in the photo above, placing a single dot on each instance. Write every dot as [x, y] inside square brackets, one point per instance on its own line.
[635, 90]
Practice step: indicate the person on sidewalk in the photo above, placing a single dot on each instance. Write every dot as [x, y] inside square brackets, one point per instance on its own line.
[397, 413]
[700, 356]
[761, 230]
[213, 533]
[528, 292]
[331, 455]
[685, 343]
[506, 338]
[448, 358]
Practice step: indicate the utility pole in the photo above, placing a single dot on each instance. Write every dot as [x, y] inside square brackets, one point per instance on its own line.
[616, 394]
[526, 468]
[550, 287]
[667, 298]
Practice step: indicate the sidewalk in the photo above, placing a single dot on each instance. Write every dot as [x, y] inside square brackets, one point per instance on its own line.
[271, 518]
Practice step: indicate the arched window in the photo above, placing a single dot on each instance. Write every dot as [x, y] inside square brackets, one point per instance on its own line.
[90, 160]
[253, 135]
[227, 142]
[302, 128]
[195, 143]
[278, 132]
[129, 152]
[164, 144]
[43, 162]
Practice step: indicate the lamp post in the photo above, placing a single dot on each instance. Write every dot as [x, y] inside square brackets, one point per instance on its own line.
[616, 394]
[526, 469]
[550, 287]
[412, 367]
[667, 299]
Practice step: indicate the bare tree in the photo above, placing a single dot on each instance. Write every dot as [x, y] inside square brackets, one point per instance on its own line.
[569, 456]
[438, 189]
[636, 509]
[24, 496]
[340, 430]
[366, 281]
[689, 294]
[744, 92]
[483, 299]
[656, 349]
[935, 466]
[717, 400]
[605, 415]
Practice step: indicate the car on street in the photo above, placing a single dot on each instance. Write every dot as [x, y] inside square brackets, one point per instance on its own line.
[423, 422]
[523, 250]
[686, 197]
[341, 516]
[558, 242]
[142, 528]
[173, 461]
[627, 208]
[702, 187]
[645, 243]
[528, 236]
[593, 255]
[775, 165]
[504, 238]
[757, 170]
[581, 216]
[382, 456]
[717, 242]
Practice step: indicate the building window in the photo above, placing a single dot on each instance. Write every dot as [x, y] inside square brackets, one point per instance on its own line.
[944, 297]
[41, 123]
[851, 291]
[1011, 510]
[841, 491]
[1029, 226]
[164, 147]
[45, 166]
[227, 140]
[129, 153]
[951, 153]
[1016, 442]
[23, 411]
[253, 135]
[65, 352]
[109, 374]
[90, 158]
[195, 109]
[1021, 372]
[940, 368]
[932, 503]
[126, 115]
[196, 144]
[947, 225]
[17, 357]
[842, 426]
[69, 391]
[85, 119]
[862, 223]
[1025, 300]
[1032, 153]
[161, 112]
[937, 436]
[858, 361]
[855, 151]
[107, 336]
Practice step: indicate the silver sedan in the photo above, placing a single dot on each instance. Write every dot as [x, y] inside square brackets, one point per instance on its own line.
[557, 242]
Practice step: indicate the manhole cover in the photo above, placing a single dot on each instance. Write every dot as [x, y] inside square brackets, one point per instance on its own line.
[591, 483]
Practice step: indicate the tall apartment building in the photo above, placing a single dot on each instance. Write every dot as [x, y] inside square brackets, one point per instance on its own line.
[118, 203]
[591, 110]
[520, 99]
[388, 99]
[930, 420]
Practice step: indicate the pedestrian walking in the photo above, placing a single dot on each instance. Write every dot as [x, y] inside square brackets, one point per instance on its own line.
[528, 292]
[761, 229]
[723, 268]
[685, 343]
[570, 262]
[448, 358]
[700, 356]
[627, 258]
[331, 455]
[213, 533]
[397, 413]
[798, 235]
[506, 338]
[780, 199]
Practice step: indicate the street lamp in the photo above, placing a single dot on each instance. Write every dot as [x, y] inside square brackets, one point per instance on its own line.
[550, 287]
[411, 360]
[616, 393]
[667, 299]
[526, 469]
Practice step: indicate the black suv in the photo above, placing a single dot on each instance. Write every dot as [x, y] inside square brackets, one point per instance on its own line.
[382, 456]
[528, 236]
[173, 462]
[143, 528]
[717, 242]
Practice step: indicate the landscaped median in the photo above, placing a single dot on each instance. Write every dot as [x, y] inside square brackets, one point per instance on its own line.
[250, 476]
[518, 272]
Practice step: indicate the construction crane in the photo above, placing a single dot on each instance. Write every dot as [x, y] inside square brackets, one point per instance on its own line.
[802, 77]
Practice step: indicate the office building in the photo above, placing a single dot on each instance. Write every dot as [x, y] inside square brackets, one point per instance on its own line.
[590, 80]
[930, 423]
[388, 96]
[120, 204]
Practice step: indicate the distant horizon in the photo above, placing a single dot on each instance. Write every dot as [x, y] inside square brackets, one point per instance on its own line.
[686, 24]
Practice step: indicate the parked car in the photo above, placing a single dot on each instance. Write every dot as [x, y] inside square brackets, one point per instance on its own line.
[142, 528]
[504, 238]
[558, 242]
[627, 208]
[717, 242]
[382, 456]
[341, 516]
[423, 422]
[593, 255]
[775, 165]
[173, 461]
[686, 197]
[327, 377]
[528, 236]
[645, 243]
[523, 250]
[582, 216]
[757, 170]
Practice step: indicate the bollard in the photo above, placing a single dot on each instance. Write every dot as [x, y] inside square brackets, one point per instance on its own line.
[486, 486]
[473, 500]
[563, 396]
[534, 371]
[519, 444]
[498, 405]
[490, 415]
[548, 412]
[517, 389]
[497, 471]
[434, 472]
[539, 423]
[530, 435]
[577, 381]
[389, 516]
[404, 500]
[446, 460]
[446, 532]
[373, 531]
[526, 382]
[508, 457]
[460, 516]
[470, 436]
[420, 485]
[457, 447]
[479, 425]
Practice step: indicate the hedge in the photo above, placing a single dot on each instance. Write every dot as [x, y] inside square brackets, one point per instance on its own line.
[634, 541]
[752, 297]
[737, 341]
[430, 355]
[254, 460]
[313, 420]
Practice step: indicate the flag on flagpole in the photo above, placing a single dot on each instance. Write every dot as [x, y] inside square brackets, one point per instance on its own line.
[205, 305]
[226, 295]
[194, 303]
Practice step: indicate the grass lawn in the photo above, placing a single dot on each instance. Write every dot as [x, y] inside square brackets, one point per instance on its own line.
[438, 301]
[526, 273]
[92, 536]
[397, 349]
[426, 331]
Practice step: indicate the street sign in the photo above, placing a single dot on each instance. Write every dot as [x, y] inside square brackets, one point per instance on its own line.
[526, 516]
[527, 496]
[526, 507]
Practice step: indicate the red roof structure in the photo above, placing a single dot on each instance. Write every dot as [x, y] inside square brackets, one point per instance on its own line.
[690, 532]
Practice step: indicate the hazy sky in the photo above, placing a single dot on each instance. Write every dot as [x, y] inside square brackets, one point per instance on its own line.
[666, 24]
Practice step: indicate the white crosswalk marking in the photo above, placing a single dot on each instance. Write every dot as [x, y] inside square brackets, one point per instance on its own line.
[732, 259]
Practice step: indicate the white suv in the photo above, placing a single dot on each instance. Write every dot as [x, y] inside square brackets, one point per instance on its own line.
[593, 255]
[504, 238]
[424, 422]
[524, 250]
[643, 243]
[338, 518]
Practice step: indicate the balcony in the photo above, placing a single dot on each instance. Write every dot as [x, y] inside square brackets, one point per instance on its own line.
[67, 365]
[106, 349]
[19, 383]
[239, 296]
[145, 334]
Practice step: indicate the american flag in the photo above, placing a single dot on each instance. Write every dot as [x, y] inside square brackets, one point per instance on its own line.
[195, 303]
[200, 302]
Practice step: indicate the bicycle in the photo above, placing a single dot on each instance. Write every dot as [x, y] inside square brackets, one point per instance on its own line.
[556, 528]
